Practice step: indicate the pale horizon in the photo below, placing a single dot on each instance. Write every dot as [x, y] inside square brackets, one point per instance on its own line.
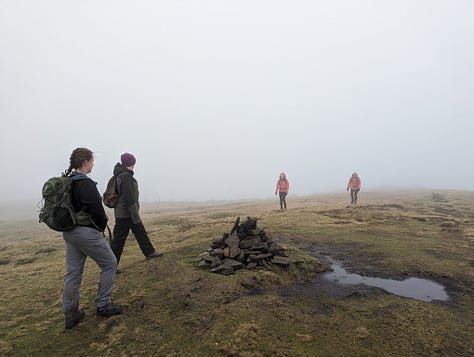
[216, 99]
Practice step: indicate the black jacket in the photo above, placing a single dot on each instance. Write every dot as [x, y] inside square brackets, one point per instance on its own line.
[86, 197]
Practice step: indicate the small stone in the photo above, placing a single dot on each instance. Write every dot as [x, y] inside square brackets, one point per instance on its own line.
[248, 243]
[241, 257]
[218, 269]
[218, 243]
[251, 265]
[276, 249]
[280, 261]
[215, 262]
[260, 246]
[208, 258]
[217, 252]
[259, 256]
[234, 252]
[203, 264]
[231, 263]
[228, 271]
[266, 265]
[232, 241]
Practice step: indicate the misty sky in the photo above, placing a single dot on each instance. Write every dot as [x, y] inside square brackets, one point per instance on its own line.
[215, 98]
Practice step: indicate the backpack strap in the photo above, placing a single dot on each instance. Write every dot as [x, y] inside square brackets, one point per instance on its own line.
[80, 177]
[118, 183]
[110, 234]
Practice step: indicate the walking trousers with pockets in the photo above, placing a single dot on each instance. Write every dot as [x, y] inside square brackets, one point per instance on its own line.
[83, 242]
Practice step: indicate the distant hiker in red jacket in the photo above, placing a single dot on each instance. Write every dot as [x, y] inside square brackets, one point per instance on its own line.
[282, 185]
[354, 185]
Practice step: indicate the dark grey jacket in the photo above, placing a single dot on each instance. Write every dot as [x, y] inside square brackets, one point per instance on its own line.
[127, 187]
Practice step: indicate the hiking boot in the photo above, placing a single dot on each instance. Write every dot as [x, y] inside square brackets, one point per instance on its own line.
[72, 318]
[154, 255]
[109, 310]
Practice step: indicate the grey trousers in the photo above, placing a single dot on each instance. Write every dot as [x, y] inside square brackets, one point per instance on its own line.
[83, 242]
[283, 199]
[354, 196]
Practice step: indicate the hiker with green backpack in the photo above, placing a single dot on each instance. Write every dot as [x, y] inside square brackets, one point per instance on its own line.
[84, 239]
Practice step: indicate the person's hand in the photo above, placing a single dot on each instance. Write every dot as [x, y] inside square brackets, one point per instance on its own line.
[135, 217]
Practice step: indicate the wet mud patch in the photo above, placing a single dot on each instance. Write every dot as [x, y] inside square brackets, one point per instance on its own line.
[323, 288]
[339, 284]
[352, 254]
[411, 287]
[353, 273]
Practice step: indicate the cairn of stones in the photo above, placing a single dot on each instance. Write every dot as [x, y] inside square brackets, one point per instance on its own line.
[245, 247]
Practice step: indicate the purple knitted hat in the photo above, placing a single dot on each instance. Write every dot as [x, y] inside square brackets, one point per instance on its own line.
[128, 159]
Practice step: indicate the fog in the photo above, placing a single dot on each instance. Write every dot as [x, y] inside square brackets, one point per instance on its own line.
[216, 98]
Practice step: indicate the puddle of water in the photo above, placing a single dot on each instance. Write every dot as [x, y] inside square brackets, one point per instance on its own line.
[420, 289]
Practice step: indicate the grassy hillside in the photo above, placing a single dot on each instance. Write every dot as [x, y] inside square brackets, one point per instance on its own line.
[172, 308]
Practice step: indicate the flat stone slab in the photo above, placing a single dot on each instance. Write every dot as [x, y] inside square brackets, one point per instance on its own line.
[283, 262]
[232, 241]
[231, 263]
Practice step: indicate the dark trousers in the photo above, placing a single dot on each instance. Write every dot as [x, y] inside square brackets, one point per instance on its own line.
[121, 229]
[283, 199]
[354, 196]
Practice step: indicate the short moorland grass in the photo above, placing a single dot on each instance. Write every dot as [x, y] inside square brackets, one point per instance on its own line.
[172, 308]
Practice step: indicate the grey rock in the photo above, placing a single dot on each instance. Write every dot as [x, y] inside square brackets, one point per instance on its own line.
[267, 265]
[203, 264]
[218, 270]
[232, 241]
[258, 257]
[232, 264]
[283, 262]
[248, 243]
[235, 252]
[218, 253]
[251, 265]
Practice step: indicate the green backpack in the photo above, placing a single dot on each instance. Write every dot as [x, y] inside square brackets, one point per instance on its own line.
[58, 212]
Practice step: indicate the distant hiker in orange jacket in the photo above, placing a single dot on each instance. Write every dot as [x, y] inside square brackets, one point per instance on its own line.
[282, 185]
[354, 185]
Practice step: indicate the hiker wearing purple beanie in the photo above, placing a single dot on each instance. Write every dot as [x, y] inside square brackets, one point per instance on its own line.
[126, 211]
